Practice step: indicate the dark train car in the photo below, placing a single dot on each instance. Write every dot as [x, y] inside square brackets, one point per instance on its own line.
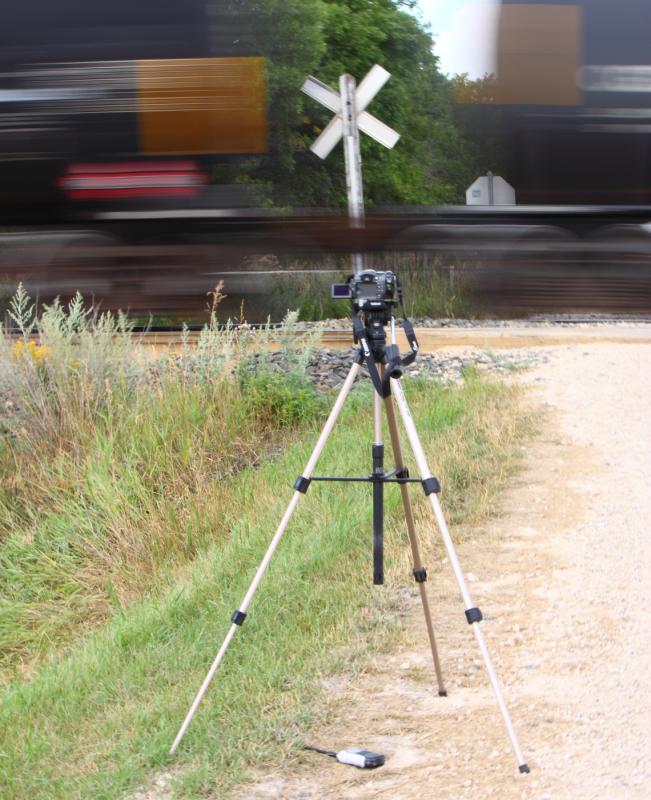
[107, 102]
[566, 118]
[573, 86]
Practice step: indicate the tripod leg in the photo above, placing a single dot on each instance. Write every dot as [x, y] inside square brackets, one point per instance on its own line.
[419, 571]
[378, 493]
[301, 487]
[473, 614]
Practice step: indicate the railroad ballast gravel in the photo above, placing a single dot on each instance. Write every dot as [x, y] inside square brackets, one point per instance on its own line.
[327, 368]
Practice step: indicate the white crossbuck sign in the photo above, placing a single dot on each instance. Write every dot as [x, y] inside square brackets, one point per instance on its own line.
[350, 118]
[364, 93]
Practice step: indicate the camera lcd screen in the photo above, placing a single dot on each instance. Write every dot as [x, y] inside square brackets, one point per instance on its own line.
[341, 291]
[367, 291]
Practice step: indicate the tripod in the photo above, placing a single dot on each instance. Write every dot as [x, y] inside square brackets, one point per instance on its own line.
[384, 365]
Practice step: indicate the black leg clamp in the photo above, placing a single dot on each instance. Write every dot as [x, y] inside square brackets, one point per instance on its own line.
[302, 484]
[431, 486]
[392, 369]
[402, 475]
[473, 615]
[420, 575]
[238, 617]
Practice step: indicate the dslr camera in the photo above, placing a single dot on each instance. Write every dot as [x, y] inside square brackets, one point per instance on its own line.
[369, 290]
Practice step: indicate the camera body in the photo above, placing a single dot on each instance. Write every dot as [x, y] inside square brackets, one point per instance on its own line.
[369, 290]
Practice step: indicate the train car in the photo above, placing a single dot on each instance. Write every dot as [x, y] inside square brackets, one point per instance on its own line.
[573, 85]
[567, 119]
[115, 102]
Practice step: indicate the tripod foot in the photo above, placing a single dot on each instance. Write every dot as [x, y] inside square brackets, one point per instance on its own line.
[524, 768]
[443, 693]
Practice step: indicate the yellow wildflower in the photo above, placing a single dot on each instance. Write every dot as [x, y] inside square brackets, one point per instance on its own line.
[40, 354]
[37, 352]
[18, 348]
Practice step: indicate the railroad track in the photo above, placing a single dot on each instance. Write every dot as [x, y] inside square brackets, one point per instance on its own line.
[548, 332]
[436, 338]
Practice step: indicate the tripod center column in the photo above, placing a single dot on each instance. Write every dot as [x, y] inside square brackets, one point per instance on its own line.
[378, 491]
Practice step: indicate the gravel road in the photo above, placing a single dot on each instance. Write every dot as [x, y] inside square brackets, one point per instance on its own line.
[564, 581]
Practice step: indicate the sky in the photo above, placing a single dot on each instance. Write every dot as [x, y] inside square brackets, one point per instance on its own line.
[463, 33]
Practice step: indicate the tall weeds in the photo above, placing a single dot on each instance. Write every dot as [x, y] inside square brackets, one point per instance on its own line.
[114, 464]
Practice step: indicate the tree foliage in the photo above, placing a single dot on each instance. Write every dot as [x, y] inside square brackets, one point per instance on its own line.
[474, 91]
[430, 164]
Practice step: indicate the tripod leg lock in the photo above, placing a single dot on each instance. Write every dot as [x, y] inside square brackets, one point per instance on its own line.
[238, 617]
[402, 475]
[431, 486]
[302, 484]
[474, 615]
[420, 575]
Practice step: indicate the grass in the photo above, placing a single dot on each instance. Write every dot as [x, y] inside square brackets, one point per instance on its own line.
[132, 531]
[102, 445]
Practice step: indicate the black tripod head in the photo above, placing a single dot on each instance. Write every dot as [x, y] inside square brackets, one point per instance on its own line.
[375, 293]
[373, 296]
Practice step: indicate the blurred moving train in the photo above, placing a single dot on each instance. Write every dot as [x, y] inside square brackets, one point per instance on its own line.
[121, 101]
[114, 115]
[574, 86]
[570, 105]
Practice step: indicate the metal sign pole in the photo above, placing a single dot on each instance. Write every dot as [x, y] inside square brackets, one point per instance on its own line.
[350, 117]
[353, 159]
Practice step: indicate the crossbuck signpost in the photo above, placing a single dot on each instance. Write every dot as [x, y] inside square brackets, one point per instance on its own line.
[350, 118]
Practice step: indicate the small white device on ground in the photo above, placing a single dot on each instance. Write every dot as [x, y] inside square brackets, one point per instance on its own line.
[355, 756]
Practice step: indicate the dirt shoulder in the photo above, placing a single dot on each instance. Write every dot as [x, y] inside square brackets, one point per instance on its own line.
[564, 581]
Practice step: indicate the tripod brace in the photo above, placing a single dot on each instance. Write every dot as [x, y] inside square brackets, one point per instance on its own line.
[384, 365]
[384, 362]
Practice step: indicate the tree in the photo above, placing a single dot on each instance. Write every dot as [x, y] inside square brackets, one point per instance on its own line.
[430, 164]
[474, 91]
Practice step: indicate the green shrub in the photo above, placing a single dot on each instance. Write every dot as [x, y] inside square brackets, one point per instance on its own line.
[279, 399]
